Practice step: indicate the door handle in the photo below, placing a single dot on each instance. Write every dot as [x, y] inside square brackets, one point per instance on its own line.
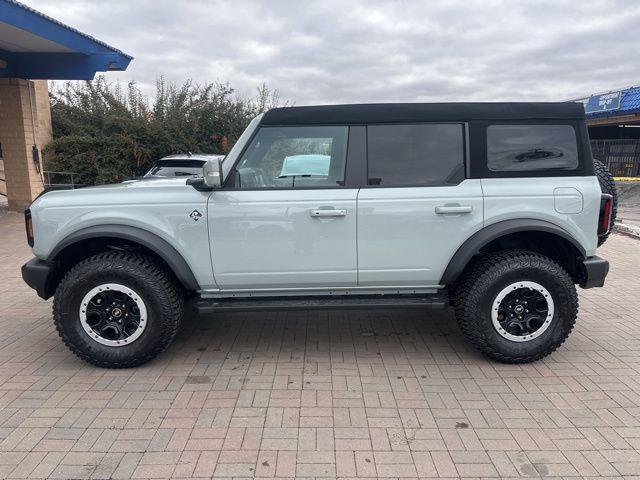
[445, 209]
[327, 212]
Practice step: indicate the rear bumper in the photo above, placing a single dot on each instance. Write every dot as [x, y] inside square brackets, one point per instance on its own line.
[594, 271]
[39, 275]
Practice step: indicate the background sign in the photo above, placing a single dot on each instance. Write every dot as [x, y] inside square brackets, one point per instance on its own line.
[603, 103]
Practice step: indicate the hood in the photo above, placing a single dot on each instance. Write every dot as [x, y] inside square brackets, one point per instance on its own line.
[131, 191]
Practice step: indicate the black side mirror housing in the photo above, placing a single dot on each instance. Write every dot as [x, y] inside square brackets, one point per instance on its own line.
[198, 184]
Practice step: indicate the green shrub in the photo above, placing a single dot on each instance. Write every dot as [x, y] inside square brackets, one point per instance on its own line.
[106, 134]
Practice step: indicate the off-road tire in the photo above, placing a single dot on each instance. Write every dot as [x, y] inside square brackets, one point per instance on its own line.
[155, 285]
[475, 291]
[607, 185]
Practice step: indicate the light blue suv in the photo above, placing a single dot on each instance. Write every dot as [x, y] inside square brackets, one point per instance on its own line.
[493, 208]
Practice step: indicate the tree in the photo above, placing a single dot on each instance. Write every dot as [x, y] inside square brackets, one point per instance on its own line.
[105, 133]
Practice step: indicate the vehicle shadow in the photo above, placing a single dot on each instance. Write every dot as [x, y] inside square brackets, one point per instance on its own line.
[336, 335]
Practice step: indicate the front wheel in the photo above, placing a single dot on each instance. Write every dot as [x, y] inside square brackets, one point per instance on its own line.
[515, 306]
[117, 309]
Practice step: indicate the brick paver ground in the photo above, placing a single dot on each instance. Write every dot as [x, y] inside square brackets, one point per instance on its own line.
[322, 394]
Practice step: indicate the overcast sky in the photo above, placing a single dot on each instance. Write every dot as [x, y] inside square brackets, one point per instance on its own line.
[330, 51]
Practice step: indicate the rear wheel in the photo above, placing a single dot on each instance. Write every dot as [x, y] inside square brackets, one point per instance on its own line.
[117, 309]
[607, 185]
[515, 306]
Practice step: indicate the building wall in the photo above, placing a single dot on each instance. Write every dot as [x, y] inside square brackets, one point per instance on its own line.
[3, 181]
[17, 110]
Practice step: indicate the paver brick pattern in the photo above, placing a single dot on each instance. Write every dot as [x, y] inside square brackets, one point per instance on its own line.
[365, 394]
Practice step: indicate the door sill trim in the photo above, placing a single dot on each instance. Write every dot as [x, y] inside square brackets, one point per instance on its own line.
[306, 302]
[323, 291]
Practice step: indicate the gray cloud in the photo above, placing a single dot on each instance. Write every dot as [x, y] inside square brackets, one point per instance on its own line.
[334, 51]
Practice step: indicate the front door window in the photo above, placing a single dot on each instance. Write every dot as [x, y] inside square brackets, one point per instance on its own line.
[293, 157]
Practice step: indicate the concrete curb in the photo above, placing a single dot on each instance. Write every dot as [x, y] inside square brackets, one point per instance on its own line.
[631, 231]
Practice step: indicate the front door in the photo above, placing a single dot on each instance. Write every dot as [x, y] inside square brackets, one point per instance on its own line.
[284, 219]
[418, 208]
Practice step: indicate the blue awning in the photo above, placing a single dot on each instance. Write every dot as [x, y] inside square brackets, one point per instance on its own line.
[629, 104]
[35, 46]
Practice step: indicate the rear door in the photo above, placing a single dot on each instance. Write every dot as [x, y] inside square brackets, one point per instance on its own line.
[418, 207]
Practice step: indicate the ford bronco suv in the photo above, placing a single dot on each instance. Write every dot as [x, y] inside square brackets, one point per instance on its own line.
[493, 208]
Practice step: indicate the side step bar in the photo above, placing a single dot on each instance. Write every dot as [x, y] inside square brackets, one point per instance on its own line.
[345, 302]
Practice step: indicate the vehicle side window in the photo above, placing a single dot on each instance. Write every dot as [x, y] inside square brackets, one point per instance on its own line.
[415, 155]
[294, 157]
[518, 148]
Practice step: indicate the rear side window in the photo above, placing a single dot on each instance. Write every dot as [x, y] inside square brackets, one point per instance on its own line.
[519, 148]
[415, 155]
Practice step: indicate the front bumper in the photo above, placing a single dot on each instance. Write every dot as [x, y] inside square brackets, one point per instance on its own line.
[40, 276]
[594, 271]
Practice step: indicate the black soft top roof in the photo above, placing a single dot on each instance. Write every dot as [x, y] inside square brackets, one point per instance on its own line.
[421, 112]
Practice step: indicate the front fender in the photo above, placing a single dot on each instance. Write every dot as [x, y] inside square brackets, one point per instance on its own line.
[162, 209]
[153, 242]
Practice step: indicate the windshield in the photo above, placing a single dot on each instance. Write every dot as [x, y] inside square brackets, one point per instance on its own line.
[233, 155]
[176, 168]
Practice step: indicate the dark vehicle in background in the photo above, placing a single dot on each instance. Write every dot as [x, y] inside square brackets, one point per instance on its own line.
[180, 165]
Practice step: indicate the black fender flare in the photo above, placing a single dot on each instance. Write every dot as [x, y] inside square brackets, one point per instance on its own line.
[153, 242]
[486, 235]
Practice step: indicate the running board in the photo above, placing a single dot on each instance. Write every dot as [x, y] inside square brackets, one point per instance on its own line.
[345, 302]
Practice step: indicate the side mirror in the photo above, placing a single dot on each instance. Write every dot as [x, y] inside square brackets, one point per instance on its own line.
[211, 176]
[212, 173]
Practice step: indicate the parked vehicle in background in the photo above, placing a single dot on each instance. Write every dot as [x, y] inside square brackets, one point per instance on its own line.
[180, 165]
[492, 208]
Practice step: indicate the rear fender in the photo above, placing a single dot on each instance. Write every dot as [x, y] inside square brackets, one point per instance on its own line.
[474, 244]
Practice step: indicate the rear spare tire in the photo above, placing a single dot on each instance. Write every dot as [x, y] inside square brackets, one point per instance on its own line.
[607, 185]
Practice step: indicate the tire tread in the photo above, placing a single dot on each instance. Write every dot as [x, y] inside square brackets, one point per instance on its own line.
[607, 185]
[480, 274]
[172, 308]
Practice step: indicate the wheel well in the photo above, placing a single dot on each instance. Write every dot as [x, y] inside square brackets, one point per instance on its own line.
[531, 234]
[71, 254]
[545, 243]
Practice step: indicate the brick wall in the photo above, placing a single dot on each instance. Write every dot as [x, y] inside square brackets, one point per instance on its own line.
[3, 183]
[23, 182]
